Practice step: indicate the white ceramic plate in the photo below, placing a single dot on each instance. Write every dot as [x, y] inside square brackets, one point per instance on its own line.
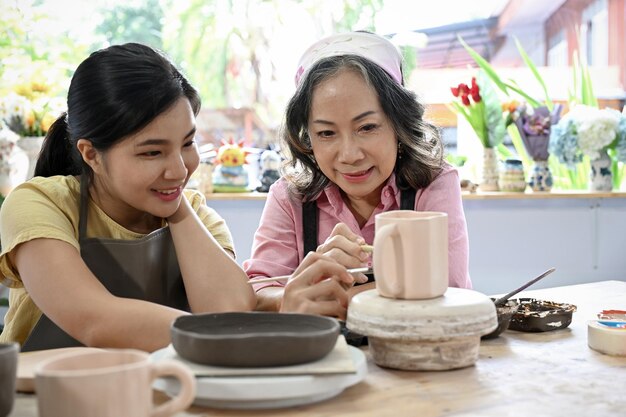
[264, 392]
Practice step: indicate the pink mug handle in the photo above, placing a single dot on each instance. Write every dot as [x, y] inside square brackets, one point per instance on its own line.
[389, 233]
[187, 388]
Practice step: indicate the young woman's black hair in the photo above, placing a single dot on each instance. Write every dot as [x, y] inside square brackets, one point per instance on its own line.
[114, 93]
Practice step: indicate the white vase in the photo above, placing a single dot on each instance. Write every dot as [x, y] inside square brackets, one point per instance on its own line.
[13, 166]
[601, 177]
[32, 146]
[490, 171]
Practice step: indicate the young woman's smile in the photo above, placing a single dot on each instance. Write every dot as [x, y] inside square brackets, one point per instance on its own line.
[169, 195]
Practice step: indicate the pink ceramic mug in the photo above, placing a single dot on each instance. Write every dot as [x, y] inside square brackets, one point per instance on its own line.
[108, 383]
[411, 254]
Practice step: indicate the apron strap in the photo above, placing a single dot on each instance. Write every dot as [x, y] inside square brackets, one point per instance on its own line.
[407, 199]
[84, 207]
[309, 226]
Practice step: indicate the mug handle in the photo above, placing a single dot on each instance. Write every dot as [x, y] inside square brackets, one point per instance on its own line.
[390, 232]
[187, 388]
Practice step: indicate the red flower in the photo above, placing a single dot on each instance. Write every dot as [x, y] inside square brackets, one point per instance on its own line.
[476, 96]
[461, 89]
[465, 100]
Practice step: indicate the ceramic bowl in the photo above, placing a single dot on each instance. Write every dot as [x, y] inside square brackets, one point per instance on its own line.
[253, 339]
[541, 316]
[505, 313]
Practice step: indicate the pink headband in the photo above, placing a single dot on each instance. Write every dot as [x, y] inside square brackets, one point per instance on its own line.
[368, 45]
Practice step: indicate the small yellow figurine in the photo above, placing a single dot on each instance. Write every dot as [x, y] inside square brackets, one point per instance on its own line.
[231, 171]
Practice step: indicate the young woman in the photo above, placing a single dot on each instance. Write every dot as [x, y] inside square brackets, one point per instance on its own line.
[359, 146]
[104, 247]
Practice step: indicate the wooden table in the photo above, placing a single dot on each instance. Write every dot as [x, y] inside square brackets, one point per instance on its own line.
[517, 374]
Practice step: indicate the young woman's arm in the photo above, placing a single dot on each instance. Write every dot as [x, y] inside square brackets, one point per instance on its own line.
[213, 280]
[63, 287]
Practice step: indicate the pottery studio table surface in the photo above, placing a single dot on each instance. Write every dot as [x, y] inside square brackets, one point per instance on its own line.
[517, 374]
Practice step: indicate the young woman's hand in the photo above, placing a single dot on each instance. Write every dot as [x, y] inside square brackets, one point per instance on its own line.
[184, 210]
[318, 286]
[344, 246]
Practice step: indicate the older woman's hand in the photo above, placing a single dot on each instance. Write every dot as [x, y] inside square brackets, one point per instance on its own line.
[318, 286]
[344, 246]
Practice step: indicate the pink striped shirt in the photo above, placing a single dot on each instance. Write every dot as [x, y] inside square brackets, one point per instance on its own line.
[278, 246]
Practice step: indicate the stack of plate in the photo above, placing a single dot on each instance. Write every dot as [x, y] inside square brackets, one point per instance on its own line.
[262, 360]
[265, 391]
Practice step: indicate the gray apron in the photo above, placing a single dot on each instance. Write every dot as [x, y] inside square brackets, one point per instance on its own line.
[144, 269]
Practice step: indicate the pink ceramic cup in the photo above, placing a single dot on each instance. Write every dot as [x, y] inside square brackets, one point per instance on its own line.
[411, 254]
[108, 383]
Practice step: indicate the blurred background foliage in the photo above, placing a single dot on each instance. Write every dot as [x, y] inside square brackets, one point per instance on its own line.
[235, 53]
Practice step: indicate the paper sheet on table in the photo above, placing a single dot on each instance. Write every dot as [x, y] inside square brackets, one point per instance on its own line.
[338, 361]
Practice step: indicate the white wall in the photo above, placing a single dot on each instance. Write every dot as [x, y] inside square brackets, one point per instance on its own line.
[511, 241]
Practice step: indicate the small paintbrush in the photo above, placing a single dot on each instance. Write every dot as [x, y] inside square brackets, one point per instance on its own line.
[363, 270]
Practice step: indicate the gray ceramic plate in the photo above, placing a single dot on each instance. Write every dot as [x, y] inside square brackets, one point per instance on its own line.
[254, 338]
[541, 316]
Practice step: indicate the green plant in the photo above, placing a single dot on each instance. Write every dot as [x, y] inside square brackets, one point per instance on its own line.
[582, 86]
[510, 85]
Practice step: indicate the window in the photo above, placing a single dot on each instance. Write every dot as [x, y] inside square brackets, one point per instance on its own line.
[594, 33]
[557, 50]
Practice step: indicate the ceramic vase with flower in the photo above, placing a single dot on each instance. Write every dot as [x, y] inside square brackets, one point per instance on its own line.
[534, 127]
[479, 104]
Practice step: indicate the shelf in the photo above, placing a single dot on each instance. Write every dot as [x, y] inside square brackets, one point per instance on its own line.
[530, 195]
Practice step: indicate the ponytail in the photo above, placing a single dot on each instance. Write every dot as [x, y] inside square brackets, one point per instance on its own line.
[57, 153]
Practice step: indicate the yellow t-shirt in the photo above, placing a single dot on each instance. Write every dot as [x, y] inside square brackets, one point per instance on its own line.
[49, 208]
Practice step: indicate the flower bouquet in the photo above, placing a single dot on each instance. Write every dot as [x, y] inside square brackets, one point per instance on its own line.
[479, 105]
[599, 134]
[30, 116]
[534, 126]
[528, 125]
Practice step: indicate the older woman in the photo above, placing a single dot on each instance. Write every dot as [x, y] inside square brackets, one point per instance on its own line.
[359, 146]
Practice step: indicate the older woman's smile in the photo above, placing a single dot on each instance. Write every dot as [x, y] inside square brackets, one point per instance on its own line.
[358, 176]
